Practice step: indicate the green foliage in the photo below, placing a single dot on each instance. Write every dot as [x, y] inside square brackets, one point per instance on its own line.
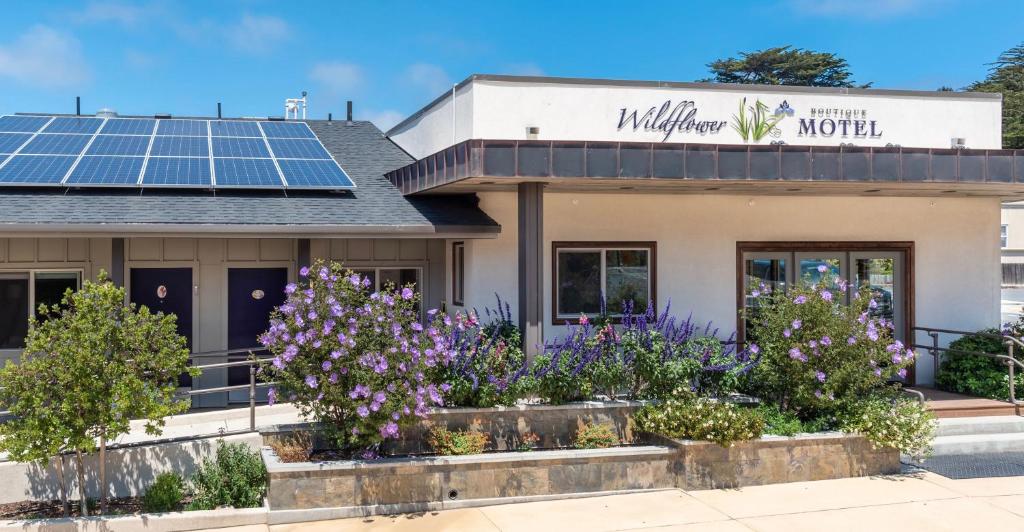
[977, 375]
[560, 383]
[90, 368]
[457, 442]
[819, 354]
[784, 65]
[1006, 76]
[596, 436]
[236, 477]
[903, 424]
[688, 416]
[781, 423]
[164, 495]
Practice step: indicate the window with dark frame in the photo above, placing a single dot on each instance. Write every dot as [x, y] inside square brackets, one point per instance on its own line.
[21, 293]
[459, 273]
[585, 272]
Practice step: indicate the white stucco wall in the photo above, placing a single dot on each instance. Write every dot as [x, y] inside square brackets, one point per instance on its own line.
[500, 109]
[1013, 217]
[956, 247]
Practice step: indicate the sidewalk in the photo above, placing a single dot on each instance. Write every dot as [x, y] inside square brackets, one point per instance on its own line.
[910, 502]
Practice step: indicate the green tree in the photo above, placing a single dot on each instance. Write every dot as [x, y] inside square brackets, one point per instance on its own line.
[1006, 76]
[90, 367]
[784, 65]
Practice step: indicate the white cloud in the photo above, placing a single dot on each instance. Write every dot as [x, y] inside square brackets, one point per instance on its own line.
[44, 57]
[867, 9]
[337, 76]
[256, 33]
[430, 78]
[126, 15]
[384, 120]
[523, 69]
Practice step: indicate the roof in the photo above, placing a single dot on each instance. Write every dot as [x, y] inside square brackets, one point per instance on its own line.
[697, 85]
[375, 207]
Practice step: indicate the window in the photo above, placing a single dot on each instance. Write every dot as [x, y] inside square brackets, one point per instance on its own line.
[399, 277]
[21, 293]
[1002, 235]
[459, 273]
[585, 272]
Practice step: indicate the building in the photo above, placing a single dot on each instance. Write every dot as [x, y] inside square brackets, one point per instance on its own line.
[553, 192]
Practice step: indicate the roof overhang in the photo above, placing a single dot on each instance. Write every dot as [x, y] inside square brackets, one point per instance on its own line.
[481, 165]
[248, 231]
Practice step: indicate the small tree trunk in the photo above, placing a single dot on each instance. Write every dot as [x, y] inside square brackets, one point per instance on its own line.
[64, 505]
[103, 475]
[81, 484]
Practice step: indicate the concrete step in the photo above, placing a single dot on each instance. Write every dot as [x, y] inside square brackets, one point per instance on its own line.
[978, 443]
[961, 426]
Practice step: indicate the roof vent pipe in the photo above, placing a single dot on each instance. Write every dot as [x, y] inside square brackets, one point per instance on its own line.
[78, 106]
[330, 117]
[218, 111]
[349, 105]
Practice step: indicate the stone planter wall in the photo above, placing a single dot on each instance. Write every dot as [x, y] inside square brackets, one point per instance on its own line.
[322, 490]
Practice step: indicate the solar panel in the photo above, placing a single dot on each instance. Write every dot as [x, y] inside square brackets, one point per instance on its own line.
[180, 147]
[186, 128]
[74, 124]
[56, 144]
[221, 128]
[247, 173]
[298, 149]
[118, 145]
[239, 147]
[177, 171]
[22, 124]
[287, 130]
[128, 126]
[314, 174]
[106, 170]
[36, 169]
[10, 142]
[93, 151]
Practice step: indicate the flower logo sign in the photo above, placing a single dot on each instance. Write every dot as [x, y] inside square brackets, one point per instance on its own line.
[756, 121]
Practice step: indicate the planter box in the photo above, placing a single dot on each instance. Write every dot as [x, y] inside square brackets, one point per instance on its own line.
[325, 490]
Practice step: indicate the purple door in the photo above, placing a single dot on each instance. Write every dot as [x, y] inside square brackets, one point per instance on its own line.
[253, 293]
[167, 290]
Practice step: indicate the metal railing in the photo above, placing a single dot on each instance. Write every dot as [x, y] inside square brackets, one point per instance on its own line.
[1011, 362]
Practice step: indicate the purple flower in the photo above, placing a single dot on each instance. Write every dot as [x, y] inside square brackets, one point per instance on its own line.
[416, 326]
[820, 375]
[826, 295]
[333, 378]
[290, 288]
[326, 366]
[902, 373]
[389, 430]
[311, 381]
[304, 271]
[755, 293]
[787, 333]
[797, 324]
[822, 268]
[817, 393]
[796, 354]
[826, 341]
[362, 411]
[407, 293]
[851, 340]
[380, 397]
[271, 397]
[753, 349]
[800, 300]
[872, 304]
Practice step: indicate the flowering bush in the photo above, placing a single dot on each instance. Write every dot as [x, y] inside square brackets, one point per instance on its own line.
[488, 366]
[645, 357]
[685, 415]
[355, 359]
[818, 354]
[902, 424]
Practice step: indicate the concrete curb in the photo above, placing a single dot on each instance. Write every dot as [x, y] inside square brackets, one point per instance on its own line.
[166, 522]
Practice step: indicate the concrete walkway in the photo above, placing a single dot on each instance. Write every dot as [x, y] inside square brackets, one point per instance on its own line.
[910, 502]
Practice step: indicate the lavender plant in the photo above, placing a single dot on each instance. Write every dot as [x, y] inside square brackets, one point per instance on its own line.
[354, 359]
[488, 366]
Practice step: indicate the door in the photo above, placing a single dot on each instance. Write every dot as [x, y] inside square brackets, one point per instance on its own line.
[167, 290]
[253, 293]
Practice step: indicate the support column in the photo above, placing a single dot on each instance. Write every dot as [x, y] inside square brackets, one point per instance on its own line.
[117, 261]
[304, 258]
[531, 266]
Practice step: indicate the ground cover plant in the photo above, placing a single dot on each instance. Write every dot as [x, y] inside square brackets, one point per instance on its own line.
[354, 359]
[689, 416]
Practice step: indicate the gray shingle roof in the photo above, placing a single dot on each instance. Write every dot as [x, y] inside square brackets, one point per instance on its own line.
[375, 206]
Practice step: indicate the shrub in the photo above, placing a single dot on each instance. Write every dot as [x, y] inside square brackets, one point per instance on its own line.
[457, 442]
[902, 424]
[596, 436]
[977, 375]
[688, 416]
[296, 447]
[818, 354]
[527, 442]
[782, 423]
[488, 366]
[236, 478]
[645, 357]
[354, 359]
[164, 495]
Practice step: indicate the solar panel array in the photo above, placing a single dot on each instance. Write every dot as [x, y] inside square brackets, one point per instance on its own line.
[147, 152]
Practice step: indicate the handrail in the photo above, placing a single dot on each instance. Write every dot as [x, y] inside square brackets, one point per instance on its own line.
[1009, 359]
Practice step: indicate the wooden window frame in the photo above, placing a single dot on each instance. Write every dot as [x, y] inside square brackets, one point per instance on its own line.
[905, 247]
[650, 246]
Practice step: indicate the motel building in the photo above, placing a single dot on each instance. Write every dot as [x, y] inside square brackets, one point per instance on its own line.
[549, 192]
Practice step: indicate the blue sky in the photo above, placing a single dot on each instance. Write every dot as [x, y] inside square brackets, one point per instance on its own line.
[393, 57]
